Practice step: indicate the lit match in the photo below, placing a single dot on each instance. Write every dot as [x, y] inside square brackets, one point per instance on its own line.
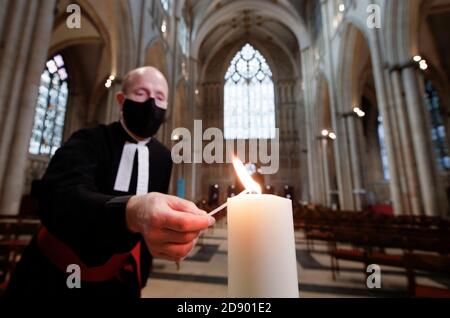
[251, 186]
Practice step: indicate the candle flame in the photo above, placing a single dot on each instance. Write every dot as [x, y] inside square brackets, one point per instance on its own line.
[247, 181]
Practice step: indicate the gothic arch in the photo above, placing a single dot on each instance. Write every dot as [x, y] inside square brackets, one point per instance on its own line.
[96, 29]
[103, 44]
[404, 20]
[202, 27]
[262, 33]
[352, 65]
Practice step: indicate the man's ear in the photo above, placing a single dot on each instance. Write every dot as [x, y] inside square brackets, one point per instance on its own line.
[120, 97]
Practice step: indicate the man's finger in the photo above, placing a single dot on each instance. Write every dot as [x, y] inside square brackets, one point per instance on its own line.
[187, 222]
[183, 205]
[171, 236]
[177, 251]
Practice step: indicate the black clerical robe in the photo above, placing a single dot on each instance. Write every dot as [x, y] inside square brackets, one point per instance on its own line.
[79, 206]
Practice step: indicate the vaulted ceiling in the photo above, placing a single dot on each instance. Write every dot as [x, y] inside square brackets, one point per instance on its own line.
[217, 23]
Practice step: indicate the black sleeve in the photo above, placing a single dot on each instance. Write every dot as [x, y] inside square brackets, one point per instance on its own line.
[72, 207]
[166, 183]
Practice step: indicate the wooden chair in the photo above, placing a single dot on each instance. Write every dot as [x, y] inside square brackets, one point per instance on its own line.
[429, 263]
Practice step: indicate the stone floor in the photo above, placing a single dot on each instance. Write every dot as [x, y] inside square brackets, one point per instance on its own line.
[204, 273]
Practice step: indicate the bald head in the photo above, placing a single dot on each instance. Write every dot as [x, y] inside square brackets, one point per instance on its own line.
[143, 83]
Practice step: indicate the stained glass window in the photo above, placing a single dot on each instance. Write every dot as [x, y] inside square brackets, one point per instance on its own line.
[383, 151]
[50, 109]
[438, 134]
[165, 4]
[249, 97]
[183, 36]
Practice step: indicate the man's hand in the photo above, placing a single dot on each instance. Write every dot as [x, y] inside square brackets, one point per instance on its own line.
[169, 225]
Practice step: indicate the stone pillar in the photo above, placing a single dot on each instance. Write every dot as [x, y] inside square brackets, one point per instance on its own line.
[413, 187]
[13, 182]
[11, 39]
[340, 149]
[306, 59]
[422, 142]
[5, 5]
[388, 123]
[140, 52]
[12, 81]
[192, 100]
[326, 172]
[319, 173]
[400, 159]
[173, 81]
[192, 171]
[344, 162]
[356, 163]
[316, 163]
[302, 144]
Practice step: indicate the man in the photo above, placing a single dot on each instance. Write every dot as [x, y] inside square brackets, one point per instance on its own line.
[102, 205]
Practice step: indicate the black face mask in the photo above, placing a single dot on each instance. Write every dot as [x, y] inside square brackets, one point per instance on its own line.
[143, 119]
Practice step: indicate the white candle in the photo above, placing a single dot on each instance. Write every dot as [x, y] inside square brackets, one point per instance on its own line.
[261, 247]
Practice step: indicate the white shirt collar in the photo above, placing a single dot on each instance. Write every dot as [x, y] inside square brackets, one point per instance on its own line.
[125, 170]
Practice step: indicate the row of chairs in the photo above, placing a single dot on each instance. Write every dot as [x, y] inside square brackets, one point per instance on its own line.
[424, 242]
[321, 216]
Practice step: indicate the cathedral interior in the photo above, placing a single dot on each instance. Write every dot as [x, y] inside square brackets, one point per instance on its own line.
[357, 93]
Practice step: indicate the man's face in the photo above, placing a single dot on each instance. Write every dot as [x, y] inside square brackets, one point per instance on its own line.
[149, 83]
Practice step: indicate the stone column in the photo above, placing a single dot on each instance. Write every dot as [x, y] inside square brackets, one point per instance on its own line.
[11, 40]
[326, 172]
[15, 173]
[341, 150]
[189, 171]
[140, 52]
[320, 196]
[422, 142]
[5, 5]
[306, 59]
[302, 144]
[388, 123]
[194, 109]
[342, 173]
[12, 82]
[356, 162]
[400, 159]
[413, 187]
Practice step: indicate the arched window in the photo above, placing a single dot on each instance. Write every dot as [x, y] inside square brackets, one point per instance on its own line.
[249, 100]
[50, 109]
[383, 151]
[437, 126]
[165, 4]
[183, 36]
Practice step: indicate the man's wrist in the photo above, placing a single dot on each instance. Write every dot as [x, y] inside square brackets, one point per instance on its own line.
[117, 208]
[130, 215]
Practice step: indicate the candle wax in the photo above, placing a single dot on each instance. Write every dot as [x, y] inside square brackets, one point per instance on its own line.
[261, 247]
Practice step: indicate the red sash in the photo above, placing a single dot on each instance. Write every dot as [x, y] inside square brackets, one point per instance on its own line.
[61, 256]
